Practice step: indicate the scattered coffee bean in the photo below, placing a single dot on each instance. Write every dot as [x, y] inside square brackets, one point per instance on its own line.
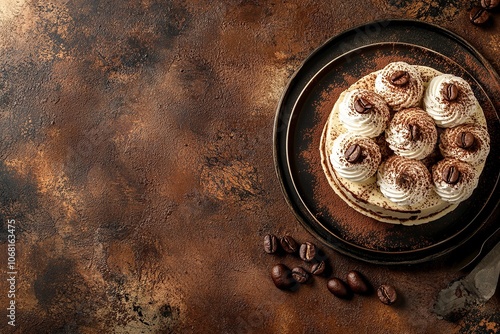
[414, 132]
[282, 277]
[400, 78]
[451, 174]
[353, 153]
[387, 294]
[465, 140]
[307, 251]
[489, 4]
[479, 15]
[362, 106]
[318, 268]
[300, 275]
[357, 282]
[270, 244]
[289, 244]
[451, 92]
[338, 288]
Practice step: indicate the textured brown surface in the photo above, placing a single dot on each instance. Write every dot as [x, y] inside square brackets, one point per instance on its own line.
[136, 158]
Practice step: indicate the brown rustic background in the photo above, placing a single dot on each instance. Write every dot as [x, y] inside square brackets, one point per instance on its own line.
[136, 159]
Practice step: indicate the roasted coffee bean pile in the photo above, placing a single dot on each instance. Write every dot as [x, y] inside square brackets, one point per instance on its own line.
[315, 263]
[482, 14]
[289, 279]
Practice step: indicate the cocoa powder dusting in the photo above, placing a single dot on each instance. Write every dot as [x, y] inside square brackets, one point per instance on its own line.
[351, 225]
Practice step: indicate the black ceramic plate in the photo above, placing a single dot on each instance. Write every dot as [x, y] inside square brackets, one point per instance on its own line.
[303, 112]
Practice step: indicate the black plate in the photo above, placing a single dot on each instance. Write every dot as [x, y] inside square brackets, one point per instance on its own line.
[303, 112]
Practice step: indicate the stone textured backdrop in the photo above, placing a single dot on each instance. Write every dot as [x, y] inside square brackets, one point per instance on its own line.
[136, 159]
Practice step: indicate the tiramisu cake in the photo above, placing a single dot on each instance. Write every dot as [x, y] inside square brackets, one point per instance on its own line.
[405, 144]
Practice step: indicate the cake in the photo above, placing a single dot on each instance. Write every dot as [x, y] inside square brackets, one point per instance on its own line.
[405, 144]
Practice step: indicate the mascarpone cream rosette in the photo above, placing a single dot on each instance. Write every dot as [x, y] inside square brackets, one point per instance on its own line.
[364, 113]
[468, 142]
[450, 101]
[454, 180]
[404, 181]
[412, 134]
[355, 158]
[400, 84]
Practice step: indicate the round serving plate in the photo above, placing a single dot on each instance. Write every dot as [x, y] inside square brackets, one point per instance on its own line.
[304, 109]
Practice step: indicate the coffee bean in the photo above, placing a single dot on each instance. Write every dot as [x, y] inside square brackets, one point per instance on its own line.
[282, 277]
[362, 106]
[387, 294]
[414, 132]
[318, 268]
[479, 15]
[465, 140]
[307, 251]
[357, 282]
[451, 92]
[400, 78]
[353, 153]
[404, 180]
[300, 275]
[451, 174]
[489, 4]
[338, 288]
[270, 244]
[289, 244]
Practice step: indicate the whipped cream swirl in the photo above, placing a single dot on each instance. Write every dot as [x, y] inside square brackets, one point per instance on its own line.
[404, 181]
[364, 113]
[467, 142]
[450, 101]
[354, 157]
[412, 134]
[454, 180]
[400, 84]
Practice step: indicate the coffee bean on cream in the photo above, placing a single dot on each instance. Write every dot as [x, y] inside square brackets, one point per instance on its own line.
[469, 143]
[364, 113]
[454, 180]
[450, 110]
[355, 157]
[412, 134]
